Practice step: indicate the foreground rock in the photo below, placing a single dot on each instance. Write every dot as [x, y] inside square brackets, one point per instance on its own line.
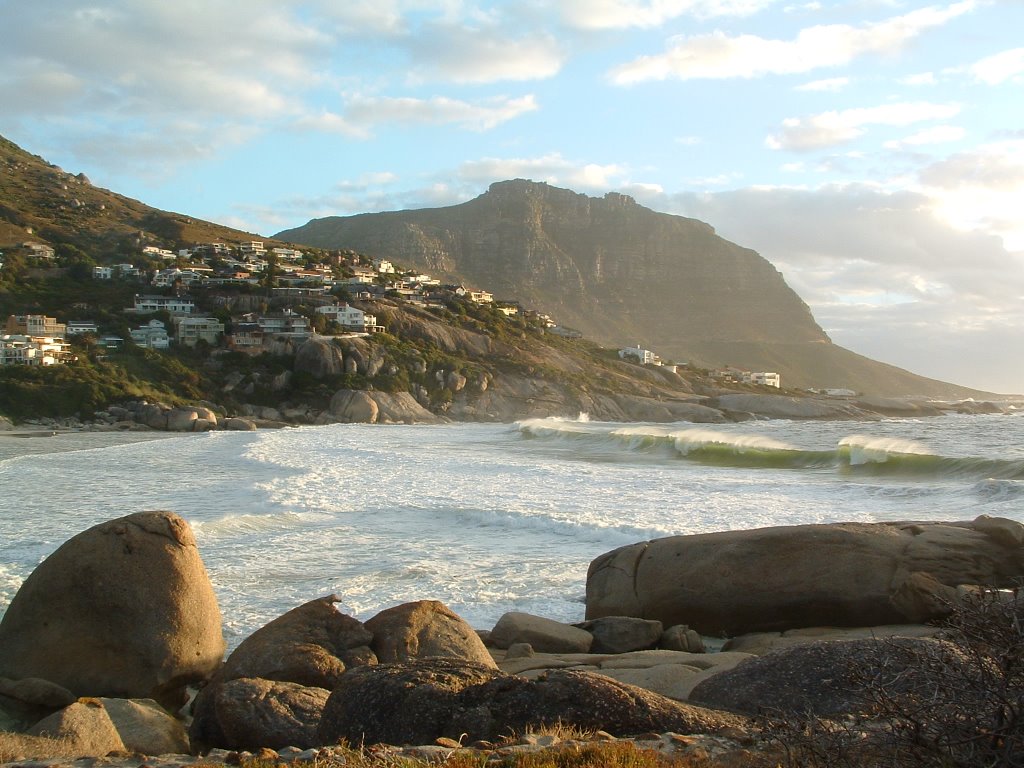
[124, 609]
[425, 629]
[419, 702]
[845, 574]
[310, 646]
[826, 679]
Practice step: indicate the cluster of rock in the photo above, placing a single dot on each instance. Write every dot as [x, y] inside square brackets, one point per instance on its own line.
[135, 597]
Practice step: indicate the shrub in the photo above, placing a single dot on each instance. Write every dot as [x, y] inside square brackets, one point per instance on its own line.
[956, 703]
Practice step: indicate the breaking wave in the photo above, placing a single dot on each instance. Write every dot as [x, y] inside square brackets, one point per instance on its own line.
[854, 455]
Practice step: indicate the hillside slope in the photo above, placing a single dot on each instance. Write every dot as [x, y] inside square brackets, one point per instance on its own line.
[623, 274]
[42, 202]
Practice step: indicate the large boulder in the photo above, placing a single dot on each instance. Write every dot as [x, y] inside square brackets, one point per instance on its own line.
[147, 728]
[843, 574]
[425, 629]
[827, 679]
[409, 703]
[309, 646]
[320, 357]
[622, 634]
[354, 406]
[544, 635]
[418, 702]
[84, 726]
[262, 713]
[124, 609]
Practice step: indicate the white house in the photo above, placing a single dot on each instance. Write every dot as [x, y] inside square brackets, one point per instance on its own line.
[77, 327]
[641, 355]
[153, 335]
[19, 349]
[763, 378]
[349, 318]
[103, 273]
[384, 266]
[175, 305]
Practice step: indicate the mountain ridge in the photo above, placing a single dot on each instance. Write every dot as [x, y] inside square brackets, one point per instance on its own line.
[623, 274]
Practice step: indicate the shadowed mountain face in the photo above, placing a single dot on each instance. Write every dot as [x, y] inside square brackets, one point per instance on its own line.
[622, 274]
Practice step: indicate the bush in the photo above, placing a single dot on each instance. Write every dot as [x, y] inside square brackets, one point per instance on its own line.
[956, 703]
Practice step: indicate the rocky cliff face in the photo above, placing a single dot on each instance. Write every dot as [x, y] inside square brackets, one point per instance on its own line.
[622, 274]
[608, 266]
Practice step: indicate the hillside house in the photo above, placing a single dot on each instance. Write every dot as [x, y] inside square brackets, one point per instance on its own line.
[763, 378]
[102, 273]
[639, 354]
[20, 349]
[246, 337]
[174, 305]
[159, 253]
[253, 249]
[39, 250]
[191, 330]
[286, 323]
[78, 327]
[153, 335]
[350, 318]
[35, 325]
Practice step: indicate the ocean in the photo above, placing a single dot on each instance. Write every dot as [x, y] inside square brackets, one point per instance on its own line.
[485, 518]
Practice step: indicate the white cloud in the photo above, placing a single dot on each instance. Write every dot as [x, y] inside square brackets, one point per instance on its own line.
[922, 78]
[439, 110]
[484, 54]
[552, 168]
[688, 141]
[623, 14]
[981, 189]
[939, 134]
[831, 85]
[719, 56]
[999, 68]
[831, 128]
[865, 259]
[329, 122]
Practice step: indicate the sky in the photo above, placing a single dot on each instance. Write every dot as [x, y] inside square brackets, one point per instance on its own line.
[872, 150]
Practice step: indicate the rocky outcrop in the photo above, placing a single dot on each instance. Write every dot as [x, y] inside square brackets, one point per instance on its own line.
[418, 702]
[425, 629]
[373, 407]
[785, 407]
[124, 609]
[319, 357]
[845, 574]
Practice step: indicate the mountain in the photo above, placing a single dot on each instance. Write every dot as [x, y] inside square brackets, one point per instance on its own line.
[42, 202]
[622, 274]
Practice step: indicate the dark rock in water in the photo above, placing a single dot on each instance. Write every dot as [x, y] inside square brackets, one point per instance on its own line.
[418, 702]
[826, 679]
[124, 609]
[842, 574]
[425, 629]
[262, 713]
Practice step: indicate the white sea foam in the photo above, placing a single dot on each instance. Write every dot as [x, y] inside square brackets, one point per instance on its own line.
[866, 449]
[487, 518]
